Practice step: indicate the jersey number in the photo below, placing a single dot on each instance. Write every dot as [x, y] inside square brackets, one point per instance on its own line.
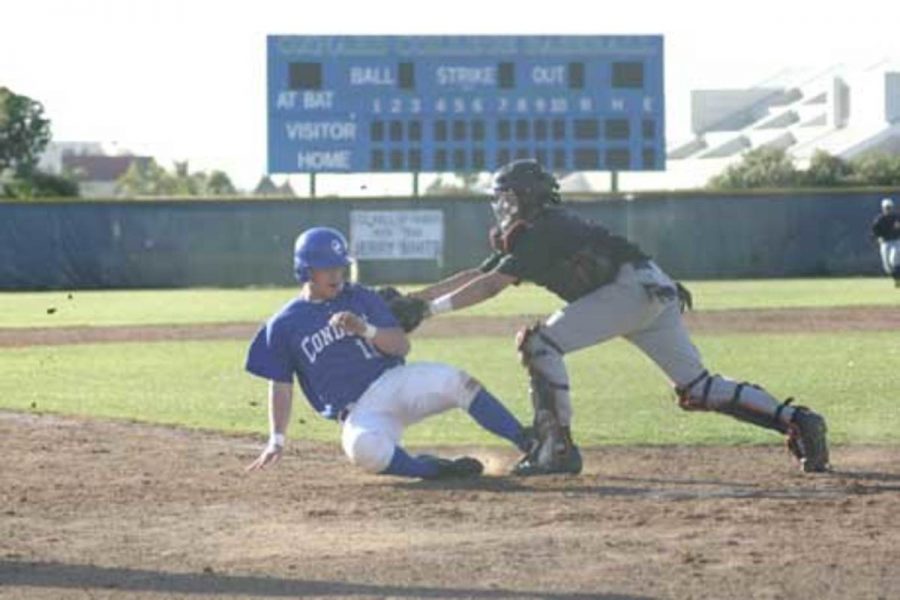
[368, 351]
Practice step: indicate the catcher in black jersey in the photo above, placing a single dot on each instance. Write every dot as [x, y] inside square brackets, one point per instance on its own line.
[611, 289]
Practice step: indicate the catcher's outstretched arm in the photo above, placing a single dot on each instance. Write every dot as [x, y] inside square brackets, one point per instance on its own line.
[446, 286]
[479, 289]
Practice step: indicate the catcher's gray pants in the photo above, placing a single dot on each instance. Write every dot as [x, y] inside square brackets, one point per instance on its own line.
[641, 306]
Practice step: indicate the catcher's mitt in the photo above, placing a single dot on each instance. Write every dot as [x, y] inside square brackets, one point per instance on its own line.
[409, 312]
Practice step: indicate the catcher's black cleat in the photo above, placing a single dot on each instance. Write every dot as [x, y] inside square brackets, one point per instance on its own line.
[807, 440]
[456, 468]
[568, 462]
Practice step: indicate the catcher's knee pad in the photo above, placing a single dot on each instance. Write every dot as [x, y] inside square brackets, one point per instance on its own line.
[543, 359]
[743, 401]
[369, 450]
[538, 352]
[532, 342]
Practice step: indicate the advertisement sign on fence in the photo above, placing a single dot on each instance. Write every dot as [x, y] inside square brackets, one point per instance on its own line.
[397, 234]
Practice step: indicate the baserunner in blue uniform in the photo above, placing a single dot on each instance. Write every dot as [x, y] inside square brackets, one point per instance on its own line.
[346, 350]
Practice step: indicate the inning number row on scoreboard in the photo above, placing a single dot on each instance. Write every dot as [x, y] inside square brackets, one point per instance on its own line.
[464, 103]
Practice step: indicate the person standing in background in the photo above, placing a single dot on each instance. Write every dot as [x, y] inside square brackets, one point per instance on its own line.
[886, 228]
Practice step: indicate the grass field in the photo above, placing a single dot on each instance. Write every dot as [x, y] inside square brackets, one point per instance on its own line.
[98, 508]
[620, 398]
[145, 307]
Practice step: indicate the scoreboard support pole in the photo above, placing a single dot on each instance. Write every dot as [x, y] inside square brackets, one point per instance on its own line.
[312, 185]
[415, 184]
[614, 182]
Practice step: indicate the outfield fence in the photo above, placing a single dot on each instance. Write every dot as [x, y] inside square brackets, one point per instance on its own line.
[179, 243]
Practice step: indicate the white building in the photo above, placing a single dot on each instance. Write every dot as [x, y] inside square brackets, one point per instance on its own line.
[845, 111]
[95, 165]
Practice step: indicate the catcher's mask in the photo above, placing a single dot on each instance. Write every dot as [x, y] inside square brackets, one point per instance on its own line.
[505, 204]
[521, 190]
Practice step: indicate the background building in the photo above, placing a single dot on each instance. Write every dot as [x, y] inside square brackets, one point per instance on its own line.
[846, 111]
[96, 166]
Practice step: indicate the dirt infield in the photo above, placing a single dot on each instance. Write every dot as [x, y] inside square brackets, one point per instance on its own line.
[94, 509]
[802, 320]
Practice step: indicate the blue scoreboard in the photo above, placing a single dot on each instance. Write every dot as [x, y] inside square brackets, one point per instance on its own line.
[342, 104]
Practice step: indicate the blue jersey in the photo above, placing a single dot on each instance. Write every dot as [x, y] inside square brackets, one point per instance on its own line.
[334, 367]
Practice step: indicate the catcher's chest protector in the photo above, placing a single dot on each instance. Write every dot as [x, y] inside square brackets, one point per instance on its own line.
[565, 253]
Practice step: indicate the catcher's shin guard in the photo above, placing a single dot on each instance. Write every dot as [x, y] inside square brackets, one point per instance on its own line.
[749, 403]
[715, 393]
[553, 450]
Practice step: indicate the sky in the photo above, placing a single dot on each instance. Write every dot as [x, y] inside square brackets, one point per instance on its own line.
[185, 79]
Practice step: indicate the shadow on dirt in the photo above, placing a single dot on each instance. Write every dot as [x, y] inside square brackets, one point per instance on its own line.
[833, 485]
[57, 575]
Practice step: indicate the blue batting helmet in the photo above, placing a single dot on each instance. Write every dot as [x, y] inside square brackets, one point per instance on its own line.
[319, 248]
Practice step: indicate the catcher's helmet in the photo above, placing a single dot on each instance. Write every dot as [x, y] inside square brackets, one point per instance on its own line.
[532, 187]
[319, 248]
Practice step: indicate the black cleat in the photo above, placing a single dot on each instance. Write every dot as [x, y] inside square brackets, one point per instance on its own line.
[568, 463]
[457, 468]
[807, 440]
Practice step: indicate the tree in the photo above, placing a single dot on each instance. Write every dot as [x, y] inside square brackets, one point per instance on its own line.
[219, 184]
[24, 132]
[760, 168]
[826, 170]
[147, 178]
[877, 169]
[187, 183]
[41, 185]
[462, 184]
[768, 168]
[469, 180]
